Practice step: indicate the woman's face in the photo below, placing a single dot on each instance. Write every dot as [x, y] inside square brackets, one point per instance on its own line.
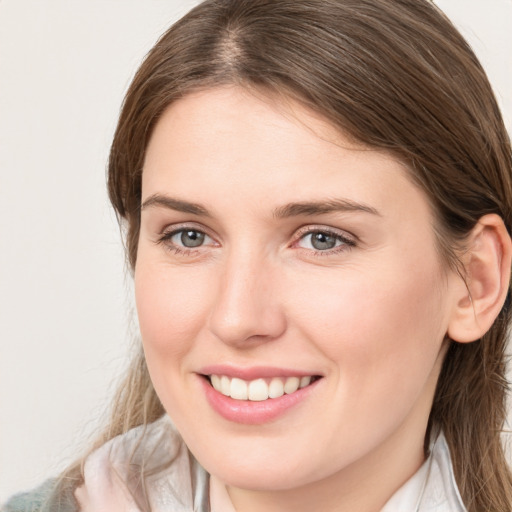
[276, 253]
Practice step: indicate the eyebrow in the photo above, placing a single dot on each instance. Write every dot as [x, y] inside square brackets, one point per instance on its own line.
[320, 207]
[175, 204]
[285, 211]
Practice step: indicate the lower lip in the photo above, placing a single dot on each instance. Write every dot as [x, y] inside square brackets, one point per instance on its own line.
[253, 413]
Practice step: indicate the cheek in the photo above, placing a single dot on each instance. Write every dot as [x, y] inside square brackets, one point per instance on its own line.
[170, 307]
[376, 326]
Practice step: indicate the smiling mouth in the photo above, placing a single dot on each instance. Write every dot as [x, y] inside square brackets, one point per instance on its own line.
[259, 390]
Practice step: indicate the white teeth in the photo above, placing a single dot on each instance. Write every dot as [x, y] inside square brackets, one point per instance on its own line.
[276, 388]
[305, 381]
[259, 389]
[238, 389]
[215, 380]
[225, 385]
[291, 385]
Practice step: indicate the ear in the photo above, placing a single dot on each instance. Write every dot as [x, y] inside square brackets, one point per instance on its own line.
[480, 298]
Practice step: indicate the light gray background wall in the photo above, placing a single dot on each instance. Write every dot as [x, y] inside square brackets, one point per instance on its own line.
[64, 300]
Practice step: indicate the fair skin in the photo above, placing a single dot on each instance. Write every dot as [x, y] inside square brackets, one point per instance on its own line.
[349, 289]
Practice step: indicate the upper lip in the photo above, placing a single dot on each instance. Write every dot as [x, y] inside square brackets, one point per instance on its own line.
[254, 372]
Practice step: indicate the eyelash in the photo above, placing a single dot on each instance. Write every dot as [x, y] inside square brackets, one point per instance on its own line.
[166, 237]
[347, 241]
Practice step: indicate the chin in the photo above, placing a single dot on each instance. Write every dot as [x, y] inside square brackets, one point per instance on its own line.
[261, 478]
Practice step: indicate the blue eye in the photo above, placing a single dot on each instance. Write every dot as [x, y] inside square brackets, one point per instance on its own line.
[323, 241]
[189, 238]
[185, 240]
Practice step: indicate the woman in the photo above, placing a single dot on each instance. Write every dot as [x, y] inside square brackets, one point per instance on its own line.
[317, 203]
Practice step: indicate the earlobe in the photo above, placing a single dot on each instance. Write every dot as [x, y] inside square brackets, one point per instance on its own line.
[487, 262]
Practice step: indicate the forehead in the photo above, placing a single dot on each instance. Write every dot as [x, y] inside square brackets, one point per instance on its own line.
[230, 146]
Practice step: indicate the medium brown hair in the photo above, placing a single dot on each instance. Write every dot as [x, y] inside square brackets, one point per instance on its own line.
[395, 75]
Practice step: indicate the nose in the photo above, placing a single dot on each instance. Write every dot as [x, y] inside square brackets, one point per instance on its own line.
[247, 309]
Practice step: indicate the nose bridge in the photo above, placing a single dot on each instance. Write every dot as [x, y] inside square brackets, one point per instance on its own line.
[246, 304]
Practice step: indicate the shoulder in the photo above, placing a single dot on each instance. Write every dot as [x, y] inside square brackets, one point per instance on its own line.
[149, 467]
[41, 499]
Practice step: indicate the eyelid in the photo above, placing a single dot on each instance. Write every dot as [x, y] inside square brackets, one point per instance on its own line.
[181, 226]
[319, 228]
[348, 239]
[165, 235]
